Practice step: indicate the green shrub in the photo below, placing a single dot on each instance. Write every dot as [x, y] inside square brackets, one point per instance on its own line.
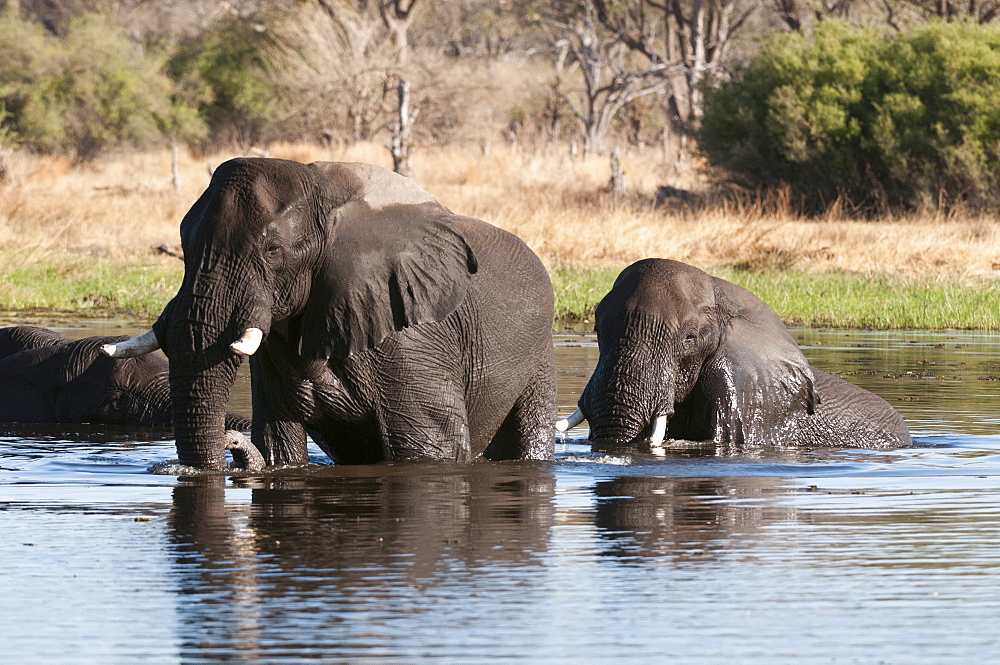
[92, 90]
[911, 120]
[224, 76]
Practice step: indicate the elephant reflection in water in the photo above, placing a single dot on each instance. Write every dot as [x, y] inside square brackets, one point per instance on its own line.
[342, 543]
[685, 518]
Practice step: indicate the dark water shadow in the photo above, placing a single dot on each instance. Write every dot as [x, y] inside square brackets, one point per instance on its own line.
[340, 539]
[684, 520]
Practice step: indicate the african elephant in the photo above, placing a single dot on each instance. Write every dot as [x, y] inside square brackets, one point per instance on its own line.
[376, 320]
[689, 356]
[46, 377]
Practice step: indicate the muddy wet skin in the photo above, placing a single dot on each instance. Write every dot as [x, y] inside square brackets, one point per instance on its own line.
[692, 555]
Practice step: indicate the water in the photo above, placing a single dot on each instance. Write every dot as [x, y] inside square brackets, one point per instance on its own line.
[808, 556]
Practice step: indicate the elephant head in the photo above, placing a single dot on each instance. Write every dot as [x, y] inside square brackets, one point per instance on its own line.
[691, 356]
[336, 256]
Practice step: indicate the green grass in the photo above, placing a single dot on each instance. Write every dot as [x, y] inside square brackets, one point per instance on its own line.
[578, 291]
[840, 300]
[138, 288]
[92, 286]
[848, 300]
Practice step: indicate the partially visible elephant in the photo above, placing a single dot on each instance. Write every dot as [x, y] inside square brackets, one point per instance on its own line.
[46, 377]
[689, 356]
[376, 320]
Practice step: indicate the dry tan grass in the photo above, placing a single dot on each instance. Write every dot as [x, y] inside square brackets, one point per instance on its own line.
[559, 205]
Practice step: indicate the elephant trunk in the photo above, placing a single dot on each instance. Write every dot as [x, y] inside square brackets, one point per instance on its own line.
[199, 398]
[205, 348]
[627, 403]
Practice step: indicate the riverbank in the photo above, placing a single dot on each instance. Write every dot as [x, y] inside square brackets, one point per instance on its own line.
[79, 240]
[829, 300]
[137, 288]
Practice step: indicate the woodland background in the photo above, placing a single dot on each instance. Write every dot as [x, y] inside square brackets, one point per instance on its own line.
[801, 140]
[83, 77]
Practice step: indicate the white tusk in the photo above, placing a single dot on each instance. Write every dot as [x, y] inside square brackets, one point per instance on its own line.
[574, 419]
[659, 432]
[130, 348]
[248, 344]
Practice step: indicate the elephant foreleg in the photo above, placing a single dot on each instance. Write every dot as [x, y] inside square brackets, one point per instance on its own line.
[278, 408]
[281, 441]
[528, 431]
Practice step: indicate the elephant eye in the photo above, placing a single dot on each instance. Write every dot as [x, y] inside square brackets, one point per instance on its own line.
[690, 339]
[117, 403]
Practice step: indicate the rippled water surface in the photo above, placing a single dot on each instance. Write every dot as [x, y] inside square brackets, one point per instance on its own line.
[800, 556]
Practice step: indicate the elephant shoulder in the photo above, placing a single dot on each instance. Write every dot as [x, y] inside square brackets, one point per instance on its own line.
[841, 395]
[496, 246]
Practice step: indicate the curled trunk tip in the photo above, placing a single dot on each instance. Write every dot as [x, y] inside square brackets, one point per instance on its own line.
[246, 457]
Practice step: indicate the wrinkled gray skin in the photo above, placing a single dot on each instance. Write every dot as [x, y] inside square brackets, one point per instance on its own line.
[46, 377]
[393, 329]
[716, 360]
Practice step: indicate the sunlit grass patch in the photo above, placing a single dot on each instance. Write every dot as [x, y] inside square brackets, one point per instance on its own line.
[577, 292]
[132, 287]
[82, 238]
[835, 299]
[851, 300]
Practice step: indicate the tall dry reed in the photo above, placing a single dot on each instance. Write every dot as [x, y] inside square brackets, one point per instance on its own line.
[559, 204]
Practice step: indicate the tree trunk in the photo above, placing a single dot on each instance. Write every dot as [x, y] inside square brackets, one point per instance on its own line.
[174, 168]
[617, 177]
[5, 176]
[402, 141]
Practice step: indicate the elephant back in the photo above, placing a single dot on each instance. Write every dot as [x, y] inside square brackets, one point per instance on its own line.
[14, 339]
[858, 416]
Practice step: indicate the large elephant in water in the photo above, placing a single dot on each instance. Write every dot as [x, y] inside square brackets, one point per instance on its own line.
[377, 321]
[46, 377]
[689, 356]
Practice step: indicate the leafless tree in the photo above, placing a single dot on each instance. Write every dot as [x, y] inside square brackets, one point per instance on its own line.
[612, 76]
[896, 14]
[397, 15]
[686, 39]
[979, 11]
[330, 57]
[797, 14]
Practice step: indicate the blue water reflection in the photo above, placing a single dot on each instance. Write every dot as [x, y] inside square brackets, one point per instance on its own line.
[801, 556]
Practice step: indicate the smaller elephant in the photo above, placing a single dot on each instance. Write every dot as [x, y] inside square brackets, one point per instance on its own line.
[46, 377]
[689, 356]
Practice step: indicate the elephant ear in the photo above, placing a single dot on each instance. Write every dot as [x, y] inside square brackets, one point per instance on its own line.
[758, 379]
[386, 266]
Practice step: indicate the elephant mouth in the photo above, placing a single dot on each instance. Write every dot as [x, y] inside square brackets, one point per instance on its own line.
[601, 438]
[246, 345]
